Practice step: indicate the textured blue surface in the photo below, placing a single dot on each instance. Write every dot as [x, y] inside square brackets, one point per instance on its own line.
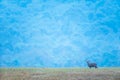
[59, 33]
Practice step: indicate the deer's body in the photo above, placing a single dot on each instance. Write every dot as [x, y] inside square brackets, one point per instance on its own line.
[90, 65]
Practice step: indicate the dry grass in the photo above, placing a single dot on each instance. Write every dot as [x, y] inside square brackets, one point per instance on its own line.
[59, 74]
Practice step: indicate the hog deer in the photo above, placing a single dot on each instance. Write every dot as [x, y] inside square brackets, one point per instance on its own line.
[90, 65]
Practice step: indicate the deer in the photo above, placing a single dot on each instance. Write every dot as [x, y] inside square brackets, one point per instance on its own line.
[90, 65]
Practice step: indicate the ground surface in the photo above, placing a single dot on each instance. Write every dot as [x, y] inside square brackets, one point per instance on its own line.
[59, 74]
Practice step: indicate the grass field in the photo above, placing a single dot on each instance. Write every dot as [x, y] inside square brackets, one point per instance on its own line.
[59, 74]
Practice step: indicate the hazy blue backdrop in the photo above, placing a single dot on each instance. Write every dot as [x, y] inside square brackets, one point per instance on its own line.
[59, 33]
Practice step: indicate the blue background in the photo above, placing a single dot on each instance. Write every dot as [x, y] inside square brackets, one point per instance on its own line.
[59, 33]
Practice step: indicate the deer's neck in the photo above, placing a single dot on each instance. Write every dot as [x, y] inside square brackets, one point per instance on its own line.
[88, 63]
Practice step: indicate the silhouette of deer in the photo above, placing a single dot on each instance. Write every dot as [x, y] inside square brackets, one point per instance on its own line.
[90, 65]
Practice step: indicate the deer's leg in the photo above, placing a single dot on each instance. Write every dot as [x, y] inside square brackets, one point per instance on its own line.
[95, 66]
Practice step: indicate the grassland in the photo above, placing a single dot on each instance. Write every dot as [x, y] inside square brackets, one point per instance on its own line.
[59, 74]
